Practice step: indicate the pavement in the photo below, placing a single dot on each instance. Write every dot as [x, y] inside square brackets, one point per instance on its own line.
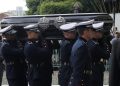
[52, 85]
[55, 79]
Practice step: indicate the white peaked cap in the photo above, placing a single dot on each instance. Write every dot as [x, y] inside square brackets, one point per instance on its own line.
[6, 29]
[98, 25]
[31, 26]
[85, 23]
[68, 27]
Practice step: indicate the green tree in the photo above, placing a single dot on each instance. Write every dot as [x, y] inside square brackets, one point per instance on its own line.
[50, 6]
[100, 5]
[57, 7]
[32, 6]
[92, 6]
[66, 6]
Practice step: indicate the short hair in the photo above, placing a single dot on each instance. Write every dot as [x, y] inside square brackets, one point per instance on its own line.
[81, 31]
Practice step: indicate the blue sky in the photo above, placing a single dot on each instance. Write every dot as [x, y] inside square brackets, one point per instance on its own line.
[6, 5]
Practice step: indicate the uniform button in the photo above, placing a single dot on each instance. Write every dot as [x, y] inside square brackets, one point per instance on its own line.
[71, 77]
[82, 84]
[91, 72]
[82, 80]
[70, 83]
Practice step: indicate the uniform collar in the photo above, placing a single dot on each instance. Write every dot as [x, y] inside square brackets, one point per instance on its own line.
[70, 40]
[12, 42]
[83, 39]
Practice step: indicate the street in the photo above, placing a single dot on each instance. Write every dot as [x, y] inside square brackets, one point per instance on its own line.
[55, 79]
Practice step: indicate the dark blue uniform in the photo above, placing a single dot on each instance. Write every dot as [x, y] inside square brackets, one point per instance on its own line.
[39, 61]
[114, 78]
[65, 69]
[81, 64]
[2, 66]
[15, 64]
[99, 53]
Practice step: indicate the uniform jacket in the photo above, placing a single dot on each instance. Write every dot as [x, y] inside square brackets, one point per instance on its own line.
[81, 64]
[65, 50]
[15, 60]
[99, 54]
[65, 69]
[115, 64]
[39, 59]
[1, 57]
[98, 51]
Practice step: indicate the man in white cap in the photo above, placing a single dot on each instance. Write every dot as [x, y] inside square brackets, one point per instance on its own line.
[14, 58]
[38, 52]
[80, 56]
[65, 71]
[114, 77]
[2, 66]
[99, 54]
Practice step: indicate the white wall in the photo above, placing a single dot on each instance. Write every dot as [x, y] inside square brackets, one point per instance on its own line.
[117, 20]
[0, 24]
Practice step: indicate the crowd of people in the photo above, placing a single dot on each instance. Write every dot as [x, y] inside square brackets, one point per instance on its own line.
[83, 56]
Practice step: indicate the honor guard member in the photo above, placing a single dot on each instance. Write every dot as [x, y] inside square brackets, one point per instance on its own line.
[80, 56]
[14, 58]
[99, 53]
[65, 71]
[2, 66]
[38, 53]
[117, 36]
[114, 78]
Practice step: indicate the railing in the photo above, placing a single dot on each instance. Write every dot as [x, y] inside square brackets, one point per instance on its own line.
[56, 58]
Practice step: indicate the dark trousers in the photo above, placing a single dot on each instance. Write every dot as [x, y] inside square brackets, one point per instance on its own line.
[64, 75]
[16, 74]
[17, 82]
[39, 82]
[98, 75]
[2, 68]
[39, 75]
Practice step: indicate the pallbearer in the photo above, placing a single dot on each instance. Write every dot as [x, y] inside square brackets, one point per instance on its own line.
[80, 57]
[99, 54]
[38, 53]
[13, 54]
[65, 71]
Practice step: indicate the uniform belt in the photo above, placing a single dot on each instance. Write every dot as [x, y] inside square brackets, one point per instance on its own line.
[88, 72]
[95, 63]
[66, 63]
[102, 60]
[10, 63]
[99, 62]
[36, 65]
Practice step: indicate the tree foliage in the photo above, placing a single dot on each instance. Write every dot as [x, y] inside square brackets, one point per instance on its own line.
[32, 5]
[100, 5]
[60, 7]
[67, 6]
